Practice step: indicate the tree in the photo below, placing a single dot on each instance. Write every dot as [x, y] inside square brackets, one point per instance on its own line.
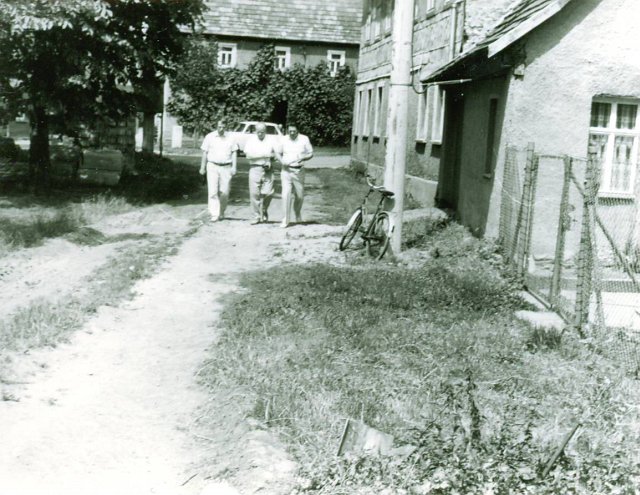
[84, 59]
[319, 102]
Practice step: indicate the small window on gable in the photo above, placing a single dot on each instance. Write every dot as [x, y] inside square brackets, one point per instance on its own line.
[431, 4]
[615, 132]
[335, 59]
[282, 57]
[227, 55]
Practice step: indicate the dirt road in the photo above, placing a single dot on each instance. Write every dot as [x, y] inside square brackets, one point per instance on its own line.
[115, 410]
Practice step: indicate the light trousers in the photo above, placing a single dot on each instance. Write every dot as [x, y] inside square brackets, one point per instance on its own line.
[292, 192]
[260, 190]
[218, 186]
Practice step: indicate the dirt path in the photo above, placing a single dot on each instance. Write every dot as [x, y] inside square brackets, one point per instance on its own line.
[114, 411]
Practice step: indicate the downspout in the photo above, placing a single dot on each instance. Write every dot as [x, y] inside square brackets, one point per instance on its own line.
[454, 30]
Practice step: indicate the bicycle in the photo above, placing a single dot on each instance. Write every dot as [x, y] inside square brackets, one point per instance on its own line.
[376, 234]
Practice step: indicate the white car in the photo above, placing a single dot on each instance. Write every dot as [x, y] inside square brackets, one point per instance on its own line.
[243, 130]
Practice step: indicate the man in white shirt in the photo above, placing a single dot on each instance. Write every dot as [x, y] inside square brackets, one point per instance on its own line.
[219, 162]
[260, 149]
[296, 149]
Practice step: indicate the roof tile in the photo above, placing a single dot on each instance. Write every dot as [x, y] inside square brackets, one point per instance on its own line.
[301, 20]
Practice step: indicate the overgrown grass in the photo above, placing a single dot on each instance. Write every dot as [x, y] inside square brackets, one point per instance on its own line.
[51, 222]
[47, 323]
[435, 357]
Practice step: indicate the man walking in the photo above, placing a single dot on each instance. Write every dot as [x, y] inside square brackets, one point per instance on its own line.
[260, 149]
[219, 162]
[296, 149]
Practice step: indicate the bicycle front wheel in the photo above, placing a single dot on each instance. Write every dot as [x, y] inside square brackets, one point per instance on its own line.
[353, 226]
[380, 236]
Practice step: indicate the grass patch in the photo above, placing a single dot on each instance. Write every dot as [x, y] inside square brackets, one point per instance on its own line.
[45, 323]
[159, 180]
[16, 235]
[435, 357]
[342, 192]
[55, 221]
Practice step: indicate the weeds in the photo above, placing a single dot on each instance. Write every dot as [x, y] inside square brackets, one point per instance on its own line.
[45, 323]
[433, 356]
[32, 231]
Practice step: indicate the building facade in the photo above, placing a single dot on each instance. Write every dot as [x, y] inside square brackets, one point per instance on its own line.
[442, 30]
[306, 32]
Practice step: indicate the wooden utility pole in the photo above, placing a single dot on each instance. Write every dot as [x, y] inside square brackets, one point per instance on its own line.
[397, 114]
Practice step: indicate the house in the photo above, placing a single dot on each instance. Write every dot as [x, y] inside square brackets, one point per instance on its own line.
[545, 110]
[307, 32]
[562, 74]
[442, 30]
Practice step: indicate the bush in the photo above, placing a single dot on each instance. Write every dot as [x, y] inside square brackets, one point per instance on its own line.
[320, 103]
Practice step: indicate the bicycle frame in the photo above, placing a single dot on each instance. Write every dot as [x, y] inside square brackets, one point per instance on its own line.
[366, 231]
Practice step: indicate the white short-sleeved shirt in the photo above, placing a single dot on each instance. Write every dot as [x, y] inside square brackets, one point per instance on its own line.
[260, 152]
[295, 149]
[219, 149]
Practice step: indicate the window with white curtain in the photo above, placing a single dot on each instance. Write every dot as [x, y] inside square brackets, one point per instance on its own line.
[282, 57]
[336, 59]
[615, 132]
[227, 55]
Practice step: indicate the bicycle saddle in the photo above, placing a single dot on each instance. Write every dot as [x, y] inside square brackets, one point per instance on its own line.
[385, 193]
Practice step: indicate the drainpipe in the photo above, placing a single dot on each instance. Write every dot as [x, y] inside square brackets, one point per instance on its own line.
[397, 115]
[454, 28]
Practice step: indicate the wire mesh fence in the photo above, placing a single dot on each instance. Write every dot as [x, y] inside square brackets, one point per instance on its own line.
[575, 249]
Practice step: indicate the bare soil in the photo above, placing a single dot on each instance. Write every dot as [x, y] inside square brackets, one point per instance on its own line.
[117, 409]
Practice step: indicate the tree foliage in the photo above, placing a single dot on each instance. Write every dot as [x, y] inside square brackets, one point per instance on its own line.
[82, 59]
[320, 103]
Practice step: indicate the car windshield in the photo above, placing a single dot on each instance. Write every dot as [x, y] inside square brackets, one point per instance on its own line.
[271, 130]
[238, 128]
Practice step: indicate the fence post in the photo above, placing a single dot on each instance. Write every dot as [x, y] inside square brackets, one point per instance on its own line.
[519, 251]
[563, 225]
[585, 261]
[531, 202]
[506, 203]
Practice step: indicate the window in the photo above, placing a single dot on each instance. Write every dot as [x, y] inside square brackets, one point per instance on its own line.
[356, 114]
[376, 15]
[336, 59]
[387, 15]
[283, 57]
[377, 115]
[430, 119]
[366, 31]
[423, 116]
[615, 132]
[226, 55]
[431, 4]
[437, 115]
[367, 112]
[490, 150]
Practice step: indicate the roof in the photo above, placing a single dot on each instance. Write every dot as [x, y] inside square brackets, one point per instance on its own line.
[522, 18]
[326, 21]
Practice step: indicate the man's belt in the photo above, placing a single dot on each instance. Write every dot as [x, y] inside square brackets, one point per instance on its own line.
[220, 164]
[296, 167]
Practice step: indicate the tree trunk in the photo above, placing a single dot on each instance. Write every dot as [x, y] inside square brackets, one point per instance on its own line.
[148, 131]
[39, 158]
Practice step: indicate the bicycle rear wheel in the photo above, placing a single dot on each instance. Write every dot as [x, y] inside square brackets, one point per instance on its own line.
[353, 226]
[380, 236]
